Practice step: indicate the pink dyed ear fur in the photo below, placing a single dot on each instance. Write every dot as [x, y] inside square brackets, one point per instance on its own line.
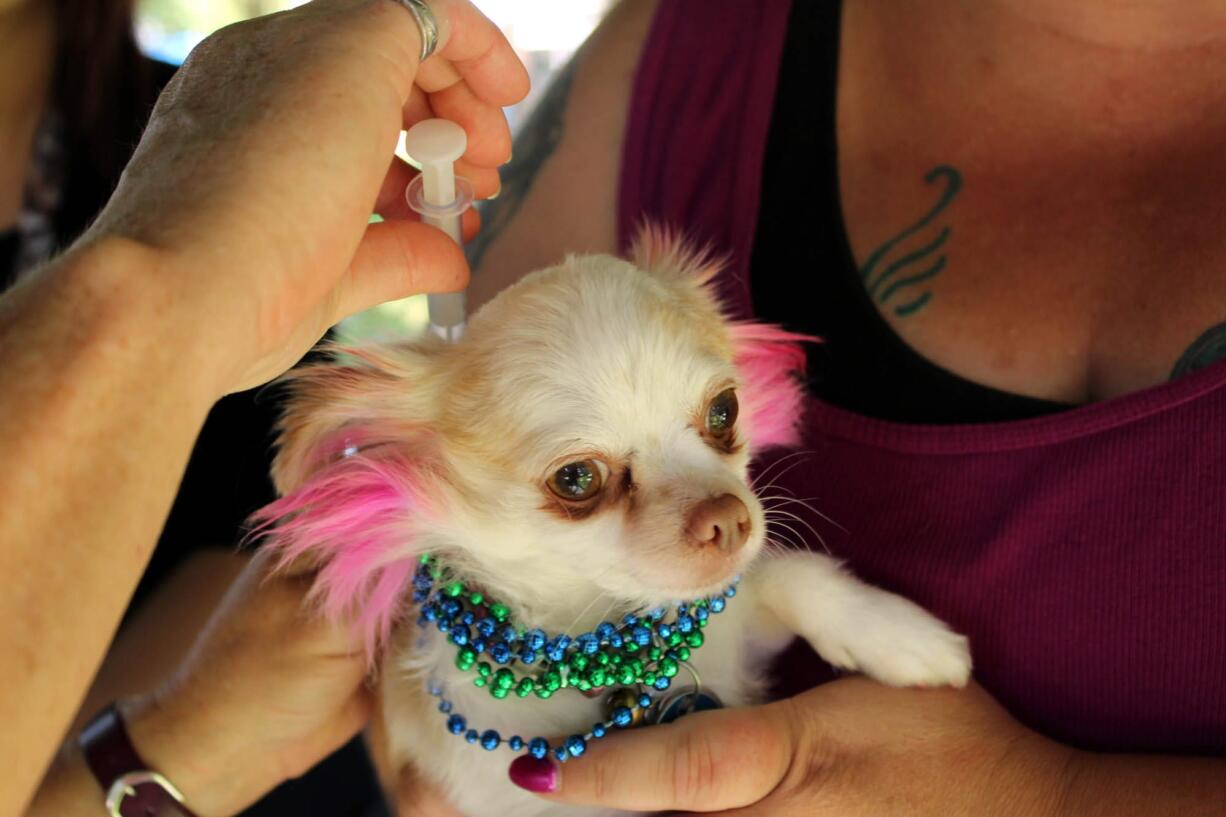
[772, 364]
[355, 521]
[771, 360]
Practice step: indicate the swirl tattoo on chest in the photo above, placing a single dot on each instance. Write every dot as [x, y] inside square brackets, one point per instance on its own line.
[898, 272]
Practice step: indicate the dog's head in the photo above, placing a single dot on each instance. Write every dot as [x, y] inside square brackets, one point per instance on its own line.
[590, 436]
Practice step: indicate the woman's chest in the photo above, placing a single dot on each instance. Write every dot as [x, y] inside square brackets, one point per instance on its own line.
[1064, 247]
[1069, 291]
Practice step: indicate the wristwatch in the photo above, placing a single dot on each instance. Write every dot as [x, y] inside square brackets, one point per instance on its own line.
[132, 788]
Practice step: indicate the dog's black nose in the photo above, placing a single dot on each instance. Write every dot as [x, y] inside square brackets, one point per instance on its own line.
[722, 521]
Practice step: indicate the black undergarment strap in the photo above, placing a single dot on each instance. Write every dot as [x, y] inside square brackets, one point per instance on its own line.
[804, 274]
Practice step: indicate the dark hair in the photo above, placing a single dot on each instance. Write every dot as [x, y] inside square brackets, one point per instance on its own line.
[103, 91]
[100, 75]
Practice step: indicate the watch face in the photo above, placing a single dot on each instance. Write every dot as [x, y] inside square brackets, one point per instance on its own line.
[141, 793]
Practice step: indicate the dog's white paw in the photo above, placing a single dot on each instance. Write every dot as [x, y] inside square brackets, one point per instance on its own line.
[898, 643]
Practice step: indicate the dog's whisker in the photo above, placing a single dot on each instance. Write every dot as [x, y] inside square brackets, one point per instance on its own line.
[774, 501]
[777, 525]
[775, 548]
[772, 486]
[816, 512]
[798, 500]
[570, 627]
[775, 478]
[603, 594]
[782, 547]
[796, 518]
[779, 462]
[820, 540]
[806, 504]
[770, 551]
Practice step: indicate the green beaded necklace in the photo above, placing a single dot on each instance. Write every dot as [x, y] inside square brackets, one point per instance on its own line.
[645, 651]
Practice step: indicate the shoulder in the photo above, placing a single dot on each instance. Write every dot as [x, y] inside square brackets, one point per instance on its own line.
[560, 191]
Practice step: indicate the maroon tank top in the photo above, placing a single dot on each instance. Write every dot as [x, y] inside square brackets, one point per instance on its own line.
[1084, 552]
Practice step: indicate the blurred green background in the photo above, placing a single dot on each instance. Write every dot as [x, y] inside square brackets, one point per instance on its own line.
[545, 33]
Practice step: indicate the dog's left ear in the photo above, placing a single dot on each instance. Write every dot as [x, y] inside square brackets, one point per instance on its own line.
[771, 363]
[770, 360]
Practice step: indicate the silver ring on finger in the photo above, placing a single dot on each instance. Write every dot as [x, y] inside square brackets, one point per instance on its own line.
[427, 24]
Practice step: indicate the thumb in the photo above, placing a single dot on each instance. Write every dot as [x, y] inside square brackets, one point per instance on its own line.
[396, 259]
[703, 762]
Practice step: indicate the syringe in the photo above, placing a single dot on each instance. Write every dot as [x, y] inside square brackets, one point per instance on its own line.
[441, 198]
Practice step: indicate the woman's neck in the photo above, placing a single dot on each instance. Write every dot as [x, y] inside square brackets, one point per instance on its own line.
[1132, 73]
[1132, 27]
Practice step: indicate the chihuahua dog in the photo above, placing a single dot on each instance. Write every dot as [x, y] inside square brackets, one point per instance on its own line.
[581, 455]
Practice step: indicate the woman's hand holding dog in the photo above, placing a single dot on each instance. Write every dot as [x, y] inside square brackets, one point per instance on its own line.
[855, 748]
[270, 689]
[850, 748]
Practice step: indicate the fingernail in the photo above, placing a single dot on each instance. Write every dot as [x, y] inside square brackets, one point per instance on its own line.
[495, 194]
[536, 776]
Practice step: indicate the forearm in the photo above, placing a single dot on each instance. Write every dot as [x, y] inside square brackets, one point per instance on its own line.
[1144, 786]
[103, 396]
[158, 635]
[68, 790]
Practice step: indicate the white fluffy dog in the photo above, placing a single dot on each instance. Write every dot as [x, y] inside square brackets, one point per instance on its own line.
[580, 456]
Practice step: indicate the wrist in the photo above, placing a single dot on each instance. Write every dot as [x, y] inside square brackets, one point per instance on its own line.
[1031, 775]
[170, 745]
[121, 298]
[1070, 770]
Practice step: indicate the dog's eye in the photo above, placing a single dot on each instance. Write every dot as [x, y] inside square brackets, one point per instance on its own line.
[721, 414]
[576, 481]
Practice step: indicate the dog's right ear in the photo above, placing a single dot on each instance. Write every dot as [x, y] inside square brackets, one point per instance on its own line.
[362, 398]
[359, 474]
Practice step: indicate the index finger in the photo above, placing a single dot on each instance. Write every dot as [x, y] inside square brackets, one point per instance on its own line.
[480, 53]
[704, 762]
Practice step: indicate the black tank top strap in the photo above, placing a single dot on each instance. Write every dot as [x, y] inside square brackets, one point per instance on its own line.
[803, 272]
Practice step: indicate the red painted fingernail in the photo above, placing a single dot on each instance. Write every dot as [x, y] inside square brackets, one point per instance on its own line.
[537, 776]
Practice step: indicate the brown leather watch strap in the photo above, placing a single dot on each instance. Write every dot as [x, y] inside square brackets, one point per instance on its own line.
[132, 788]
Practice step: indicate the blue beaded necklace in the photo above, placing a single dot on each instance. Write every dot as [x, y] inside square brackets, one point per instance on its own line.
[635, 660]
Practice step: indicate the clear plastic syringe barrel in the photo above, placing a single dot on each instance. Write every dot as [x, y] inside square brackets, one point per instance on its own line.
[441, 198]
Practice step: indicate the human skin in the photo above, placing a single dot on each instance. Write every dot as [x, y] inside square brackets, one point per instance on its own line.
[268, 690]
[855, 748]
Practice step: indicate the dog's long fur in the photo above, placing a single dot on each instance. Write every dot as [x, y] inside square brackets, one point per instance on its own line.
[392, 451]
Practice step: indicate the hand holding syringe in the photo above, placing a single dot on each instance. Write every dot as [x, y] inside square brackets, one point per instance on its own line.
[441, 198]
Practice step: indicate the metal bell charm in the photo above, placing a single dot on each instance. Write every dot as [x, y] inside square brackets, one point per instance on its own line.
[624, 697]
